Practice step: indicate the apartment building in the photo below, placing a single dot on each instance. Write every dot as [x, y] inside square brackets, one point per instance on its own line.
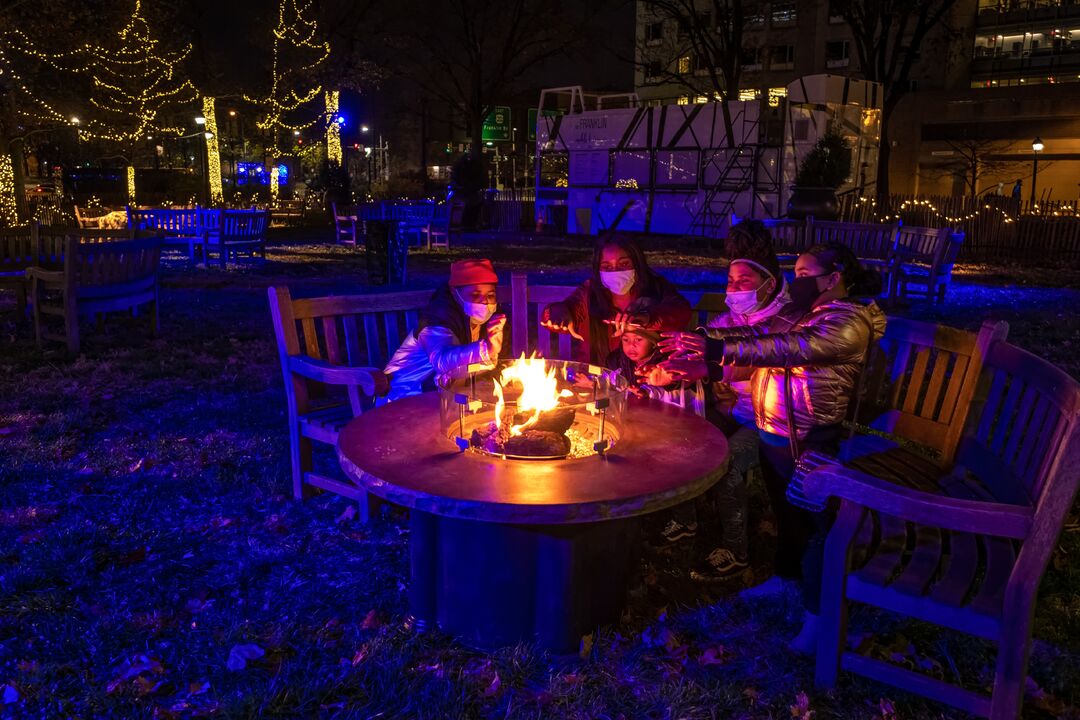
[993, 77]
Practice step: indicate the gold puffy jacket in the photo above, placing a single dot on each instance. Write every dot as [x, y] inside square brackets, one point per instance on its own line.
[825, 350]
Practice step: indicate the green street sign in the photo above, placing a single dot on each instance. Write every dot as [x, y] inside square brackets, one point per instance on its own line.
[497, 125]
[533, 112]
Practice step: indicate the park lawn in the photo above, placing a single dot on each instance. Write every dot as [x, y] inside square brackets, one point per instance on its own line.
[154, 564]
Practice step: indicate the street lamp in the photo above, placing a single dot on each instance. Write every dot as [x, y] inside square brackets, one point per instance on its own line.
[364, 128]
[1036, 147]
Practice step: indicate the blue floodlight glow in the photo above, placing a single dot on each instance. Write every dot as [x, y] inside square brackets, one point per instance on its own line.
[340, 119]
[255, 173]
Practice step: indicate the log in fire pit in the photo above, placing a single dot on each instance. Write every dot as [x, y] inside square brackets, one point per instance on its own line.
[525, 505]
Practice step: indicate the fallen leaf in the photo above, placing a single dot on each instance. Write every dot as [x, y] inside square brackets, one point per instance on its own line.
[347, 515]
[240, 654]
[586, 646]
[10, 695]
[752, 696]
[493, 687]
[801, 709]
[372, 621]
[199, 688]
[712, 656]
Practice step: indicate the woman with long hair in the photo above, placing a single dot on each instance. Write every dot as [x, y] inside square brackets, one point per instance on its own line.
[601, 309]
[805, 362]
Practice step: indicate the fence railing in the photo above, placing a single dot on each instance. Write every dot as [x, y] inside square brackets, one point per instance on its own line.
[996, 227]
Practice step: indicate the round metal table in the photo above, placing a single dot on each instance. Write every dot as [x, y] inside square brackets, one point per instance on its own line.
[507, 551]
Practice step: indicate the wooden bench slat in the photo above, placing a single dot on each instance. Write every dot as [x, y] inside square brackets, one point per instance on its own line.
[914, 385]
[930, 408]
[887, 558]
[925, 559]
[1000, 556]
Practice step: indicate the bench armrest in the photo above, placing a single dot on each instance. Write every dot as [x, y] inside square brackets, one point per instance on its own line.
[371, 380]
[941, 511]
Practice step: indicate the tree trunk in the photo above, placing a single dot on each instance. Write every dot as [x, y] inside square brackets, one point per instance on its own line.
[884, 154]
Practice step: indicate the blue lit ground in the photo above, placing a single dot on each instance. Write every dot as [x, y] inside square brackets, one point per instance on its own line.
[147, 535]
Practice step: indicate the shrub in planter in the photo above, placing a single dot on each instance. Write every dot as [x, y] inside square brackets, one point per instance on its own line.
[823, 170]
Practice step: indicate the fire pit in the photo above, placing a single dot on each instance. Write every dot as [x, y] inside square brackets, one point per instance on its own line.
[534, 409]
[515, 537]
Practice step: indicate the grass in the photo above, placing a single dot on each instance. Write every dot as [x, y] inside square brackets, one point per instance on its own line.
[154, 565]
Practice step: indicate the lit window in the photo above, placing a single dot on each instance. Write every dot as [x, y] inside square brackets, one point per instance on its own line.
[683, 100]
[775, 95]
[684, 65]
[701, 99]
[748, 95]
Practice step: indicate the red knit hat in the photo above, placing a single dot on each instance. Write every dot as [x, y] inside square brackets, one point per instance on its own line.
[472, 272]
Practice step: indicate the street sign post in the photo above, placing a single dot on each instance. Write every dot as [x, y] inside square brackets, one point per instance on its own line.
[496, 126]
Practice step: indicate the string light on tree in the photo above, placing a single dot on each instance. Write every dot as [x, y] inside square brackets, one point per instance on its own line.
[8, 212]
[297, 53]
[213, 154]
[333, 128]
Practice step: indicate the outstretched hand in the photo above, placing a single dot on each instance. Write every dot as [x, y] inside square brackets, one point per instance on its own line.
[558, 319]
[687, 370]
[683, 345]
[495, 327]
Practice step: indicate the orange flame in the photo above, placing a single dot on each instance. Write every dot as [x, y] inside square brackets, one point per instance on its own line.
[539, 390]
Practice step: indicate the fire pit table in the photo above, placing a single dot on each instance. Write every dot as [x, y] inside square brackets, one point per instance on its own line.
[506, 550]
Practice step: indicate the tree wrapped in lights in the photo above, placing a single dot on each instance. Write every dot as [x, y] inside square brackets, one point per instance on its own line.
[135, 86]
[213, 154]
[333, 128]
[291, 105]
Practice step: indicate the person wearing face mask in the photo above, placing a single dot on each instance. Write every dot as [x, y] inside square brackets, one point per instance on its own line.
[458, 328]
[600, 310]
[806, 362]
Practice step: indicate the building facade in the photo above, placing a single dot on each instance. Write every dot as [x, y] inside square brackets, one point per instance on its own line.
[996, 75]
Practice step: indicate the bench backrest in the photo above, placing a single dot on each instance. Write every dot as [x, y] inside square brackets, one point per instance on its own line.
[19, 249]
[922, 244]
[790, 237]
[343, 212]
[173, 221]
[1023, 435]
[528, 302]
[118, 265]
[707, 305]
[919, 383]
[867, 240]
[243, 224]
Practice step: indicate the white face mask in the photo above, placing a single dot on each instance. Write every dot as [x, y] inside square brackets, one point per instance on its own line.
[479, 312]
[619, 281]
[744, 302]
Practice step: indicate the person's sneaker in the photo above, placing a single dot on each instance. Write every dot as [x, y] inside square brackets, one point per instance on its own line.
[720, 565]
[675, 531]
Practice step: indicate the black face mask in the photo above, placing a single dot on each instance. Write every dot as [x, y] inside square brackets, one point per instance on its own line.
[804, 290]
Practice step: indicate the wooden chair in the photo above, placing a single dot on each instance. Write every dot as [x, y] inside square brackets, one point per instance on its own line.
[20, 250]
[970, 552]
[918, 385]
[706, 306]
[287, 212]
[238, 231]
[332, 352]
[347, 226]
[923, 262]
[98, 276]
[446, 220]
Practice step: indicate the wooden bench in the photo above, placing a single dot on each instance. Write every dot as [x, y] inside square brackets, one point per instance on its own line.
[181, 227]
[20, 249]
[238, 231]
[923, 262]
[964, 547]
[347, 226]
[99, 275]
[287, 212]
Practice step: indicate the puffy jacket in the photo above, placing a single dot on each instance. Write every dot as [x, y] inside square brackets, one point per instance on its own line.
[445, 340]
[825, 350]
[737, 379]
[432, 352]
[667, 310]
